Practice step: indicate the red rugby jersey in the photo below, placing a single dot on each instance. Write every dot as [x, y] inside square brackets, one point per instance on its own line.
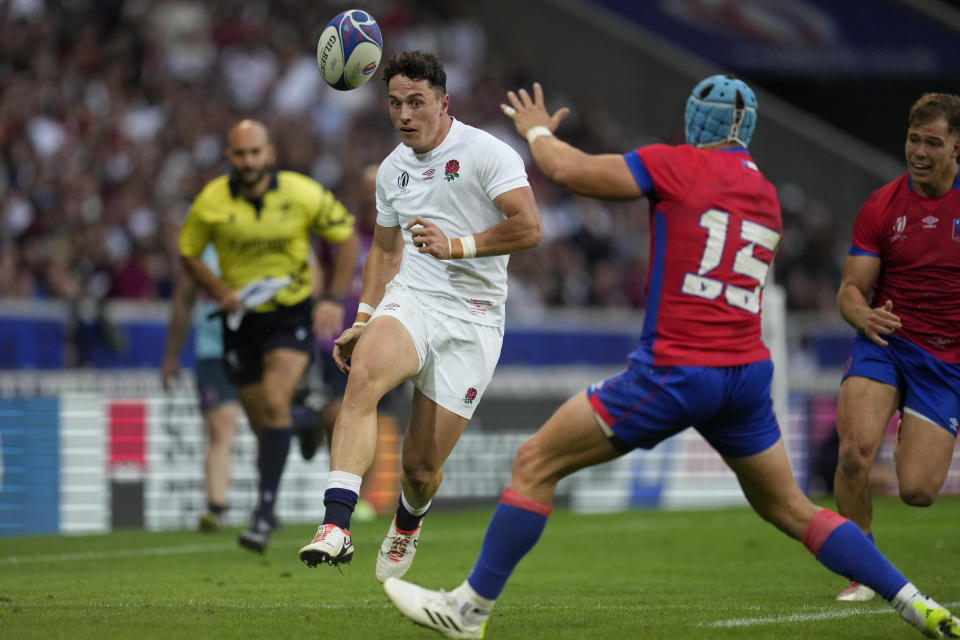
[918, 241]
[715, 224]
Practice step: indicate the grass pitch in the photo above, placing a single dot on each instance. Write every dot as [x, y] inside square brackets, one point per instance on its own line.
[706, 574]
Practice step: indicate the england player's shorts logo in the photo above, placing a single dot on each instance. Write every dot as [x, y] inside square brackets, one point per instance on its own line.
[956, 229]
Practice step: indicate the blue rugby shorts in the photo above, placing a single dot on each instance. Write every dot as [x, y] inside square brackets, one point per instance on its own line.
[731, 407]
[929, 387]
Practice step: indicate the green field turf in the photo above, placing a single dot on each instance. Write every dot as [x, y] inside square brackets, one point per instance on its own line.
[706, 574]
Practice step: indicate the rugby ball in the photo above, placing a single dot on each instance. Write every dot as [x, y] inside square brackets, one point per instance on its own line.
[348, 51]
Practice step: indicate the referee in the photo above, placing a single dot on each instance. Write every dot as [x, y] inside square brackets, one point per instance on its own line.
[259, 220]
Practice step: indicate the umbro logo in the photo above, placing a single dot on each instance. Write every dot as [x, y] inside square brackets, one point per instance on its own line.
[930, 222]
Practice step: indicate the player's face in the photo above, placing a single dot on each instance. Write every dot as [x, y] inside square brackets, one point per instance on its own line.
[931, 152]
[418, 112]
[251, 154]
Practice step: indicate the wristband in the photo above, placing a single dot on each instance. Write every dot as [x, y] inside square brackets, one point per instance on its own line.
[536, 132]
[463, 247]
[364, 312]
[358, 324]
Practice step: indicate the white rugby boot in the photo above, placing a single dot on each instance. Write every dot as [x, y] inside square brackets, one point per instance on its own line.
[438, 610]
[928, 617]
[855, 592]
[331, 545]
[397, 551]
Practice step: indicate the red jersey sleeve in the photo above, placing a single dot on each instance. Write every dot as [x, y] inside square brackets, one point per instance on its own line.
[868, 228]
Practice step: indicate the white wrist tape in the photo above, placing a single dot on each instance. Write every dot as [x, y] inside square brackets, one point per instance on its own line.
[363, 307]
[463, 247]
[358, 324]
[536, 132]
[469, 246]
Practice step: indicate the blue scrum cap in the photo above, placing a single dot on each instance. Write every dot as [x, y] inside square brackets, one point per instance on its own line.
[720, 109]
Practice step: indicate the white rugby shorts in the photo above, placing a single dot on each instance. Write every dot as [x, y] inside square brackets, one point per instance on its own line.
[457, 357]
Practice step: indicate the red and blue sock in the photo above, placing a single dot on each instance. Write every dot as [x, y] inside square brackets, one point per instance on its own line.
[840, 546]
[513, 531]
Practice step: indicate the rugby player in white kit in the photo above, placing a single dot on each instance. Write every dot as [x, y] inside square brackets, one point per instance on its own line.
[452, 203]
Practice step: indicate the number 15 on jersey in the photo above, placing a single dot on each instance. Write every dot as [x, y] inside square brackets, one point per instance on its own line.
[700, 284]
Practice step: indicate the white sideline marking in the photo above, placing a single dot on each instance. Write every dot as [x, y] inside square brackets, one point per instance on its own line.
[797, 617]
[807, 617]
[230, 606]
[118, 553]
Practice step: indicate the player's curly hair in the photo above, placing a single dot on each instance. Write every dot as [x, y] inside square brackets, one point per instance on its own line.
[417, 65]
[933, 106]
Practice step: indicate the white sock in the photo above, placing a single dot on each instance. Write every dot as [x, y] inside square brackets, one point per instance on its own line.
[344, 480]
[480, 606]
[414, 512]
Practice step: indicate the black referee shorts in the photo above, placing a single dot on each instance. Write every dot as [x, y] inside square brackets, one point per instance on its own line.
[285, 328]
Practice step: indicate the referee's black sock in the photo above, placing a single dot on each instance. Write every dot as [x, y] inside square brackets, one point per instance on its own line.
[274, 447]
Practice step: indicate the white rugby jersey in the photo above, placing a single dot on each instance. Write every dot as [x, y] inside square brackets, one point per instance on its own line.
[453, 186]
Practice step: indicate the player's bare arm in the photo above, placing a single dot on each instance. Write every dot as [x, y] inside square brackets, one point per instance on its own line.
[328, 314]
[520, 230]
[380, 266]
[596, 175]
[228, 298]
[858, 280]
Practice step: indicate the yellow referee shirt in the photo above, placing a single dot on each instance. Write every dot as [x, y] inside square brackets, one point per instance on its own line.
[265, 238]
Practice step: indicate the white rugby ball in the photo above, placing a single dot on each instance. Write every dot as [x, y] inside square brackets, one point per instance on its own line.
[349, 49]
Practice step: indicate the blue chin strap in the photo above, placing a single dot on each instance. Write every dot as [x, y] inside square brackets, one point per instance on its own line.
[720, 109]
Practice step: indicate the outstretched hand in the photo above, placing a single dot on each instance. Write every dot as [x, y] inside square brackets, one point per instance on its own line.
[528, 112]
[881, 321]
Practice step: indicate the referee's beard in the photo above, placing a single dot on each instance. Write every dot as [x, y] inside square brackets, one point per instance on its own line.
[249, 179]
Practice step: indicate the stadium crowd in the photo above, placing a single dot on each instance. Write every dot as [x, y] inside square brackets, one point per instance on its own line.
[112, 115]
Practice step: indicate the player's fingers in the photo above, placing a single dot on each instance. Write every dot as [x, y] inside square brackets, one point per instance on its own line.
[888, 321]
[559, 115]
[340, 358]
[416, 221]
[508, 110]
[525, 98]
[537, 94]
[514, 100]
